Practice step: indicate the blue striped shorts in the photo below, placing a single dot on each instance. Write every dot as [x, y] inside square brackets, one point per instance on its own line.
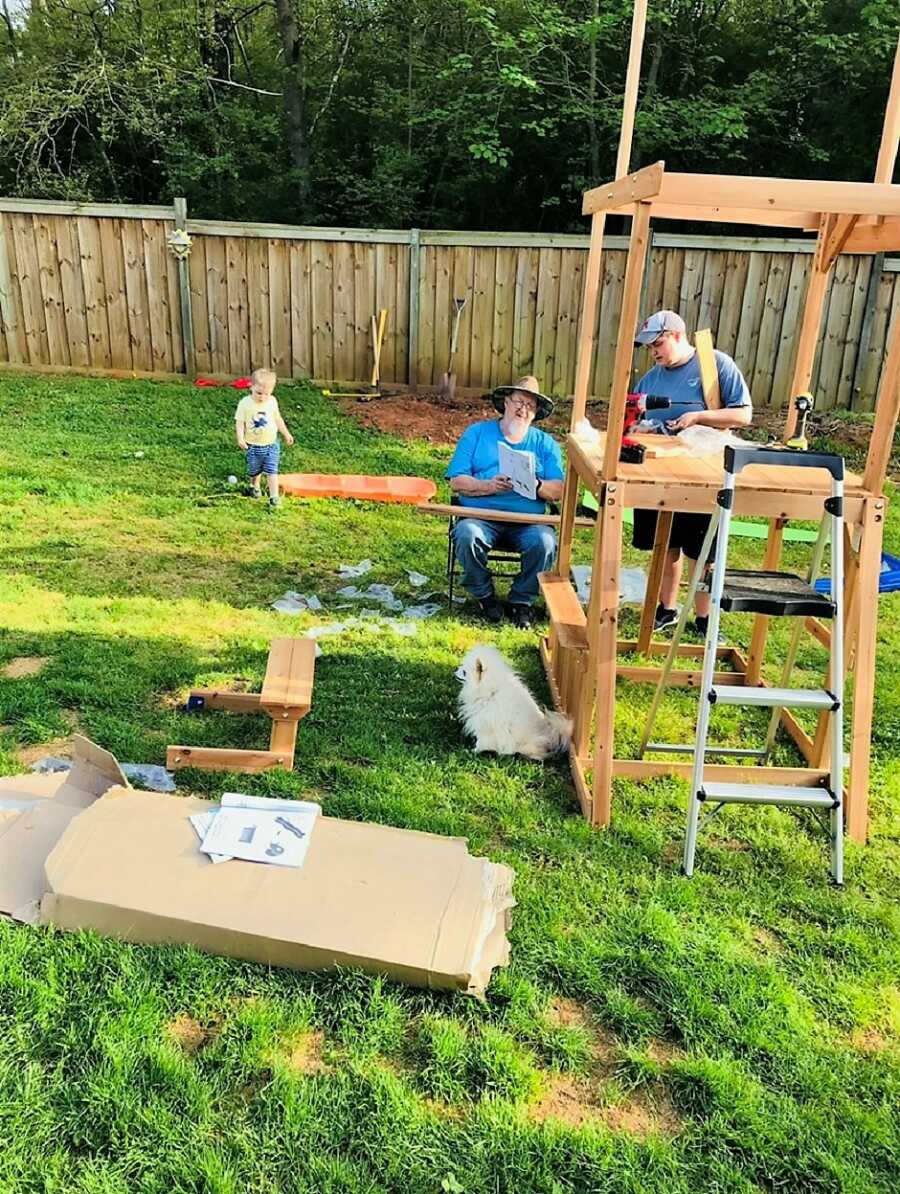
[263, 458]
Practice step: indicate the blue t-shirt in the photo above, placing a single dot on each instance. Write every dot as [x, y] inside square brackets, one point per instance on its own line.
[478, 455]
[682, 384]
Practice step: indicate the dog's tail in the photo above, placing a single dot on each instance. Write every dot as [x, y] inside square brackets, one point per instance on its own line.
[558, 732]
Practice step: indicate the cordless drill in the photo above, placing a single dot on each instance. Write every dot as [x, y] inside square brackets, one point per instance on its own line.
[636, 406]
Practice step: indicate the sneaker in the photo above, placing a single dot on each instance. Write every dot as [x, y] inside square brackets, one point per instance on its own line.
[521, 616]
[490, 609]
[274, 503]
[664, 617]
[700, 627]
[253, 493]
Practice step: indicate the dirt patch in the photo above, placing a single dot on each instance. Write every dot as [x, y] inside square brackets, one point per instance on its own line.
[569, 1013]
[729, 843]
[306, 1054]
[430, 417]
[190, 1035]
[58, 748]
[575, 1102]
[765, 940]
[869, 1040]
[664, 1052]
[24, 665]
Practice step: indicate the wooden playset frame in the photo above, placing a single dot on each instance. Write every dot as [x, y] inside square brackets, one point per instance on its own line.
[581, 651]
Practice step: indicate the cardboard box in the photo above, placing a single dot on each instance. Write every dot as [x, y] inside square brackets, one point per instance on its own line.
[35, 811]
[414, 906]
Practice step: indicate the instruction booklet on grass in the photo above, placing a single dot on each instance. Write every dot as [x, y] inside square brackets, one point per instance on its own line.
[519, 467]
[257, 829]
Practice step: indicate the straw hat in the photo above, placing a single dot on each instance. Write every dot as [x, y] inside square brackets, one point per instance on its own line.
[525, 385]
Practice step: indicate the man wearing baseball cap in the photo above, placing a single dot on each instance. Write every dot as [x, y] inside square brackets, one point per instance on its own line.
[676, 375]
[475, 478]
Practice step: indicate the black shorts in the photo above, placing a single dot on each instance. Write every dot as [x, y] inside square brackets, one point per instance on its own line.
[687, 534]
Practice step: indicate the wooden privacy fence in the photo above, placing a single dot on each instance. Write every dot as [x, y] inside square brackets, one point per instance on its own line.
[96, 286]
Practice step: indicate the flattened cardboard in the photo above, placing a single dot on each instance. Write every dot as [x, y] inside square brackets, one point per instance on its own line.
[35, 811]
[415, 906]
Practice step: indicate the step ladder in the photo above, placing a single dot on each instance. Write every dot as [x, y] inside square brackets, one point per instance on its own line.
[775, 594]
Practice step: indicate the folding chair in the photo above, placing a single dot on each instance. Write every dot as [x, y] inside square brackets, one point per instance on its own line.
[498, 559]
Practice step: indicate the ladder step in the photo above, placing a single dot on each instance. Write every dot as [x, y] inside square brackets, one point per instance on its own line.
[774, 794]
[688, 748]
[793, 698]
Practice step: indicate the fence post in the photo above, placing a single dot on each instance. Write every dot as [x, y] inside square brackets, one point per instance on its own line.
[412, 367]
[865, 333]
[184, 290]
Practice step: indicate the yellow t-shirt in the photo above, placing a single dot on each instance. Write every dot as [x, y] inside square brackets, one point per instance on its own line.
[257, 420]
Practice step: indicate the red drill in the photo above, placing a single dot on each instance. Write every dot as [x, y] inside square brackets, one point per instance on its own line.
[636, 405]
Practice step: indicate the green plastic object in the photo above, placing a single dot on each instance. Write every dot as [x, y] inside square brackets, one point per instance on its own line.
[746, 530]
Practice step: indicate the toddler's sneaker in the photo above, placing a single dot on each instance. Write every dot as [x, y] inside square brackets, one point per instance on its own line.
[274, 503]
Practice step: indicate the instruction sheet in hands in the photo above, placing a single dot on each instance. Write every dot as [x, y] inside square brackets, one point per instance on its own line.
[519, 467]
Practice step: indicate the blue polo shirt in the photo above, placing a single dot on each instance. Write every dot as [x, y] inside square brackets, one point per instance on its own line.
[681, 383]
[478, 455]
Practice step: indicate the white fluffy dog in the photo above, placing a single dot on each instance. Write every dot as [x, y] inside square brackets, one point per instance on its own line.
[499, 712]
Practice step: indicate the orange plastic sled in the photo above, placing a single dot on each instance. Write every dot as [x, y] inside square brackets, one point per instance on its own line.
[409, 490]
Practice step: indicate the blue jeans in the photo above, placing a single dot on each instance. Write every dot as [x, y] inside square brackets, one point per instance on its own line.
[475, 537]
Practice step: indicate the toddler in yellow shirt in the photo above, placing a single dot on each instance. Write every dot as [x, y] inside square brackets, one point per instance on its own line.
[257, 422]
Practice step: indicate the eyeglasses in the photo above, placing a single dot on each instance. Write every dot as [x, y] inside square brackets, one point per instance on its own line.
[523, 404]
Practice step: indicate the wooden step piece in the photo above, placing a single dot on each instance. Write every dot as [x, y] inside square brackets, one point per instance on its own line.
[566, 615]
[287, 687]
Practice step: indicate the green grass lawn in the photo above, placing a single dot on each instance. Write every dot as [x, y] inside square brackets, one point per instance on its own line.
[737, 1032]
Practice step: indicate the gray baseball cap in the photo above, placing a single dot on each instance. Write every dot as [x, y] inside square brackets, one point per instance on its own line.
[656, 324]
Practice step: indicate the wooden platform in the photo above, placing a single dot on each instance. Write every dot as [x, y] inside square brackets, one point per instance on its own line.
[286, 697]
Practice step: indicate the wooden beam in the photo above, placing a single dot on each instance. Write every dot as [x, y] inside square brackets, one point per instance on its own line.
[632, 83]
[654, 579]
[208, 758]
[603, 615]
[585, 361]
[887, 408]
[709, 373]
[793, 195]
[890, 131]
[445, 510]
[678, 677]
[874, 238]
[857, 812]
[236, 702]
[184, 292]
[624, 191]
[628, 320]
[837, 239]
[724, 773]
[713, 214]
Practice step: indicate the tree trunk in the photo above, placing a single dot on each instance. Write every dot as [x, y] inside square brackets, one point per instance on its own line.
[294, 90]
[592, 96]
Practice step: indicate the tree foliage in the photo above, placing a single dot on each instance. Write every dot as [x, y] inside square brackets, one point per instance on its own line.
[439, 113]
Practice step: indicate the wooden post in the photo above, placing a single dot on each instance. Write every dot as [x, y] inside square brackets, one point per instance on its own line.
[890, 132]
[864, 671]
[887, 408]
[184, 291]
[654, 579]
[603, 620]
[800, 380]
[632, 82]
[412, 368]
[634, 271]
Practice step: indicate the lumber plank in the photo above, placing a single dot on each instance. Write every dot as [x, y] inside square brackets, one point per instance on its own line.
[709, 373]
[209, 758]
[787, 195]
[564, 609]
[632, 187]
[288, 684]
[235, 702]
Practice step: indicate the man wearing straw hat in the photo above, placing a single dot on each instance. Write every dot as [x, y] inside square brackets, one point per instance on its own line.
[475, 478]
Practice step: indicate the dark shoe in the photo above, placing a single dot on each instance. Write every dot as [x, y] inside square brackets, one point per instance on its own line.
[521, 616]
[664, 617]
[700, 627]
[491, 609]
